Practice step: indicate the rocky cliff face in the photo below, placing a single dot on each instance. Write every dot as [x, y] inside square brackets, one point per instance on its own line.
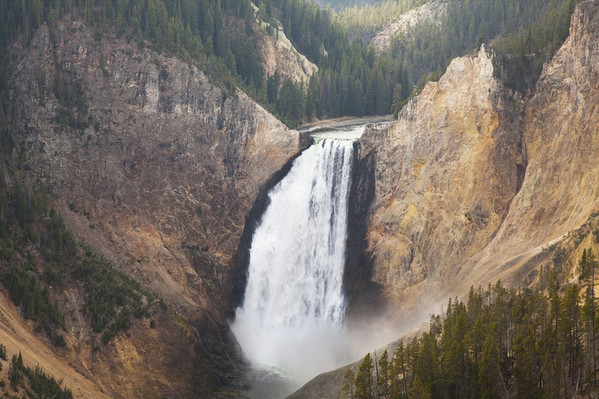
[156, 168]
[561, 188]
[445, 174]
[280, 55]
[472, 180]
[474, 183]
[433, 11]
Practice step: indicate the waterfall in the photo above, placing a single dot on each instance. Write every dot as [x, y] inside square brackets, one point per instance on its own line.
[293, 312]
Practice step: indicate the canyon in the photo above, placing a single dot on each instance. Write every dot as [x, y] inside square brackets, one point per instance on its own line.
[165, 173]
[470, 186]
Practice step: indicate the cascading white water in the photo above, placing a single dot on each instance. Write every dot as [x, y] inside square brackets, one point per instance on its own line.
[292, 315]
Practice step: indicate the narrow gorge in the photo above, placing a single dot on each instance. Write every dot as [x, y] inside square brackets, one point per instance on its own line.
[266, 253]
[292, 320]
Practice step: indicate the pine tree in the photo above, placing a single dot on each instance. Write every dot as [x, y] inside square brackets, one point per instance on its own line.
[419, 390]
[398, 101]
[364, 381]
[583, 265]
[487, 372]
[383, 374]
[348, 384]
[399, 380]
[525, 362]
[569, 323]
[590, 314]
[15, 374]
[272, 87]
[427, 363]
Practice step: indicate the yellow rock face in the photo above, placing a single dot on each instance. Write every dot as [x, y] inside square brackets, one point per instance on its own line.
[472, 180]
[561, 188]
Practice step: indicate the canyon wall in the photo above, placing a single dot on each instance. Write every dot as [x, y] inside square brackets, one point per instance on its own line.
[446, 173]
[473, 179]
[475, 183]
[561, 136]
[156, 167]
[432, 12]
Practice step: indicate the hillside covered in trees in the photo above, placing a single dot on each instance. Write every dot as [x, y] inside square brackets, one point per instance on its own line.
[499, 343]
[340, 4]
[533, 28]
[221, 37]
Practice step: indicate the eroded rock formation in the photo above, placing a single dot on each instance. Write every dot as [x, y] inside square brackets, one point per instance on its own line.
[280, 55]
[431, 12]
[475, 183]
[473, 180]
[445, 173]
[157, 168]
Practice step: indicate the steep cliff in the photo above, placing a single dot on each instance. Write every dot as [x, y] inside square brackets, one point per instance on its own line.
[561, 188]
[473, 180]
[445, 174]
[280, 55]
[476, 183]
[156, 168]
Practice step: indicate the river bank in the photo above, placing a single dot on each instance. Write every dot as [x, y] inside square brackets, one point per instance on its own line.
[337, 123]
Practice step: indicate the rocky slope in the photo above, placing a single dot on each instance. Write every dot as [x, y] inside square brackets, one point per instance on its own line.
[433, 11]
[445, 175]
[16, 336]
[157, 169]
[472, 181]
[561, 188]
[280, 55]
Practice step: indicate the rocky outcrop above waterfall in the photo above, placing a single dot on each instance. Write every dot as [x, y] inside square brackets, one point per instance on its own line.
[561, 137]
[445, 175]
[473, 180]
[156, 167]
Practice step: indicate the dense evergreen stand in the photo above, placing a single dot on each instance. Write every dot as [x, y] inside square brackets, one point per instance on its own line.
[353, 79]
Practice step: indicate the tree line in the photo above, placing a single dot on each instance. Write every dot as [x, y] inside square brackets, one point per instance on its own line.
[354, 79]
[342, 4]
[221, 36]
[500, 342]
[368, 19]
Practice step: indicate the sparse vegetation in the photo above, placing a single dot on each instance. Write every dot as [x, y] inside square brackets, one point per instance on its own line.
[28, 294]
[112, 297]
[29, 226]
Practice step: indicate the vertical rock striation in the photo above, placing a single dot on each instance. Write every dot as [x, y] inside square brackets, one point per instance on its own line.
[472, 180]
[445, 173]
[561, 135]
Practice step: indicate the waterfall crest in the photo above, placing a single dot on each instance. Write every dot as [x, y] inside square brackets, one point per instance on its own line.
[293, 311]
